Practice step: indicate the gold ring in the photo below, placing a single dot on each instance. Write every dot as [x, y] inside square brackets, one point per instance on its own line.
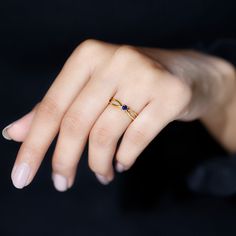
[115, 102]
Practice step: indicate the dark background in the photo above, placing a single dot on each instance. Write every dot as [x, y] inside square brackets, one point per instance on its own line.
[152, 198]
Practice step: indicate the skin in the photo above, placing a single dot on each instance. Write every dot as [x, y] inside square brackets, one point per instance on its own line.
[160, 85]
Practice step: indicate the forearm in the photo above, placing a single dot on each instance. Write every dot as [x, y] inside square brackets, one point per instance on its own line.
[213, 84]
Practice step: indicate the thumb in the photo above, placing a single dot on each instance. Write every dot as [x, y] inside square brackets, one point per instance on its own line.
[19, 129]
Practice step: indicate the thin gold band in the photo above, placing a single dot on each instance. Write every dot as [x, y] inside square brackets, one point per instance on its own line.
[115, 102]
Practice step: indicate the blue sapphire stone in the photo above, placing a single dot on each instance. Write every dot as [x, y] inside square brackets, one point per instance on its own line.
[124, 107]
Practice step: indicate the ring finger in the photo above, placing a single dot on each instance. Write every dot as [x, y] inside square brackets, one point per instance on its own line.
[109, 128]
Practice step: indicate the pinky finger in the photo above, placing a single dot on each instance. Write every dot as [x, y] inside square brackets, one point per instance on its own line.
[139, 134]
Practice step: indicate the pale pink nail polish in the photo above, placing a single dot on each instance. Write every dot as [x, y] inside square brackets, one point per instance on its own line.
[102, 179]
[20, 175]
[60, 182]
[119, 167]
[5, 133]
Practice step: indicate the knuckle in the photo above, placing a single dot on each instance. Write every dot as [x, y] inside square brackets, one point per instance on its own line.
[180, 90]
[90, 51]
[93, 166]
[137, 137]
[179, 96]
[125, 159]
[49, 107]
[29, 151]
[73, 123]
[96, 167]
[101, 136]
[125, 53]
[127, 57]
[63, 166]
[125, 162]
[87, 46]
[89, 42]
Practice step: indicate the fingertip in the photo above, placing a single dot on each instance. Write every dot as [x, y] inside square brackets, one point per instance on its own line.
[119, 167]
[19, 129]
[17, 132]
[60, 182]
[20, 175]
[5, 132]
[102, 179]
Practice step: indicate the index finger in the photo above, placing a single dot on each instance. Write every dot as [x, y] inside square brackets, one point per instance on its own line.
[46, 122]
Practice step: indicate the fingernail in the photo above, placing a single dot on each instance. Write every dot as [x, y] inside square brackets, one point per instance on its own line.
[119, 167]
[20, 175]
[60, 182]
[5, 133]
[102, 179]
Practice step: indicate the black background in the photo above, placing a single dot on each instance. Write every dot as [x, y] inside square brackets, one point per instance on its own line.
[36, 37]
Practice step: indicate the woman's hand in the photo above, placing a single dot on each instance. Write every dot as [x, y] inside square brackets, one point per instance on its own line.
[76, 106]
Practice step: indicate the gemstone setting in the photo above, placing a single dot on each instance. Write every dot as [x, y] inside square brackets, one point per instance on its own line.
[124, 107]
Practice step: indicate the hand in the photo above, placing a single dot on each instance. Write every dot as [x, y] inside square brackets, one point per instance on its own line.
[76, 106]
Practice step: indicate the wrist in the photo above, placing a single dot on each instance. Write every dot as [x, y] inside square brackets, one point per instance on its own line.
[222, 78]
[211, 79]
[213, 84]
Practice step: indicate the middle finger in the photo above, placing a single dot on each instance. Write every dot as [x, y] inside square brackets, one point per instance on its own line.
[75, 127]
